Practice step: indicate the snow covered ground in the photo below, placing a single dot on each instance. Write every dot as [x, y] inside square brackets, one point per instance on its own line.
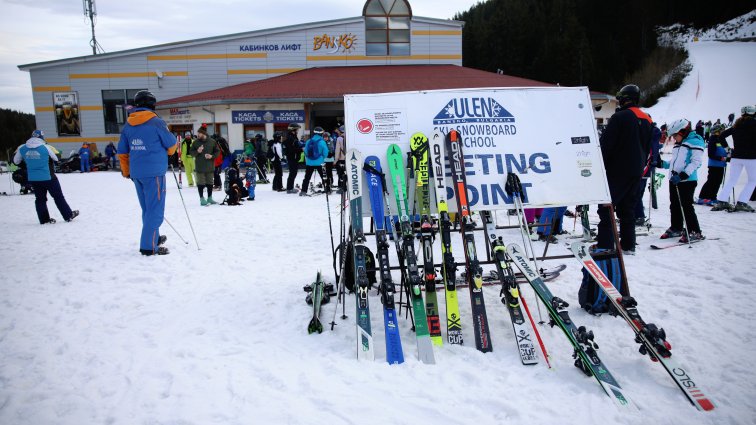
[91, 332]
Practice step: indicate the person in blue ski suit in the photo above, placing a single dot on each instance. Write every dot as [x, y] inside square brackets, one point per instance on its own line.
[84, 163]
[648, 173]
[110, 152]
[550, 218]
[316, 152]
[39, 157]
[143, 150]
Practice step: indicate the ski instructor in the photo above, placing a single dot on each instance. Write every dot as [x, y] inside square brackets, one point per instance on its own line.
[625, 147]
[143, 151]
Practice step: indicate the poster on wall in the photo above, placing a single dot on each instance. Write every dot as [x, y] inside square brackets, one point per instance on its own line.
[67, 121]
[547, 135]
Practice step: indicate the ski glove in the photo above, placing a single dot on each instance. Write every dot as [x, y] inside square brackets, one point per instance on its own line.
[677, 178]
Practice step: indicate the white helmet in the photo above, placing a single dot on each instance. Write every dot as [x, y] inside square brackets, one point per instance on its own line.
[748, 110]
[678, 125]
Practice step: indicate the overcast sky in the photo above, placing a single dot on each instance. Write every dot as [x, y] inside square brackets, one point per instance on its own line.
[42, 30]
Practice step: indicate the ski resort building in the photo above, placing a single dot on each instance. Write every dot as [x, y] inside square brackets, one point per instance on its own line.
[258, 81]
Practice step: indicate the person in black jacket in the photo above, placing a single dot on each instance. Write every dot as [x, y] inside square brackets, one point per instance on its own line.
[293, 149]
[625, 147]
[743, 134]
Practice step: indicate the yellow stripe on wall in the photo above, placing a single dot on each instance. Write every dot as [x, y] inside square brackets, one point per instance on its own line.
[53, 88]
[128, 75]
[81, 139]
[436, 32]
[262, 71]
[81, 108]
[363, 58]
[207, 56]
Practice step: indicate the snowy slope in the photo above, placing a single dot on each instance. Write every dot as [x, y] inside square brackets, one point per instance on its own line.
[93, 333]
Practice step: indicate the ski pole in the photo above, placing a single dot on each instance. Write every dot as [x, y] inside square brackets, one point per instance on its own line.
[176, 231]
[682, 211]
[173, 171]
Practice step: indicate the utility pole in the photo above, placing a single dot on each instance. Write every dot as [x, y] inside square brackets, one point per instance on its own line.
[90, 11]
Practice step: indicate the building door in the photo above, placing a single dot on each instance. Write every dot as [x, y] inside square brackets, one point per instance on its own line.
[181, 129]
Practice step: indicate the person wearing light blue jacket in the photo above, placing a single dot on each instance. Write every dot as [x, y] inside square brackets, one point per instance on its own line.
[686, 159]
[39, 157]
[315, 152]
[143, 150]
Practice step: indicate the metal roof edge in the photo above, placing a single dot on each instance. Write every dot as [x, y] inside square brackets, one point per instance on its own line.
[187, 43]
[216, 102]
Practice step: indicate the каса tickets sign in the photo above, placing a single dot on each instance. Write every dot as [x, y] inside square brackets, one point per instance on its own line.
[545, 135]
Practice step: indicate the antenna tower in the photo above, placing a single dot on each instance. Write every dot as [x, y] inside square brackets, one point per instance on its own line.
[90, 11]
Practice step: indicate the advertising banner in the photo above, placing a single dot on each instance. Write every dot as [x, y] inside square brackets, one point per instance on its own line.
[545, 135]
[262, 117]
[66, 105]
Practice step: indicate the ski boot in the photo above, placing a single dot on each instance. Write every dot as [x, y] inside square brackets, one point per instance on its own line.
[211, 201]
[742, 206]
[203, 201]
[162, 239]
[694, 236]
[74, 214]
[671, 233]
[723, 206]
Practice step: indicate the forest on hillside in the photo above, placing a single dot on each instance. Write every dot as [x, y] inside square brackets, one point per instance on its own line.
[600, 44]
[15, 129]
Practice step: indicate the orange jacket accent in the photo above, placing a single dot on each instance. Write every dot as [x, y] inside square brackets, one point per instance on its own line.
[640, 114]
[123, 158]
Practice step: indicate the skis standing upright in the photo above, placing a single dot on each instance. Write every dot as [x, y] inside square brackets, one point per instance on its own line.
[396, 168]
[376, 188]
[510, 294]
[448, 268]
[474, 271]
[419, 147]
[365, 349]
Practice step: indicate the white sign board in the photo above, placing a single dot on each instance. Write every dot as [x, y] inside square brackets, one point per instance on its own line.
[545, 135]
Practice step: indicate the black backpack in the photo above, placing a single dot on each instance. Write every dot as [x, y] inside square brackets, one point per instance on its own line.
[349, 267]
[590, 296]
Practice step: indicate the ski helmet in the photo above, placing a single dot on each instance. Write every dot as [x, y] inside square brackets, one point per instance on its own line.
[145, 99]
[294, 126]
[629, 94]
[318, 130]
[717, 128]
[748, 110]
[678, 126]
[39, 134]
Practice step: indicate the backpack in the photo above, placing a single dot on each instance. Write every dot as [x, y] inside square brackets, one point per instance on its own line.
[234, 187]
[271, 155]
[349, 281]
[590, 296]
[311, 150]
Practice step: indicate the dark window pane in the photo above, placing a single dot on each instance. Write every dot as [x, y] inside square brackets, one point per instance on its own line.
[375, 23]
[375, 49]
[399, 23]
[399, 36]
[375, 36]
[399, 49]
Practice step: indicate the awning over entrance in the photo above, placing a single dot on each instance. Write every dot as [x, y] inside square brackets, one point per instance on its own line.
[331, 84]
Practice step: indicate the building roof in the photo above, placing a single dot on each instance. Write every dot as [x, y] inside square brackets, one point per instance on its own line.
[332, 83]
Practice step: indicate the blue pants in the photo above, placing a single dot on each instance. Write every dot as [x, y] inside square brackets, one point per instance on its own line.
[548, 216]
[85, 165]
[40, 202]
[112, 161]
[151, 194]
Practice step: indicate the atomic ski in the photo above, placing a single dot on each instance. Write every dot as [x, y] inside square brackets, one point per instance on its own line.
[586, 358]
[652, 339]
[376, 188]
[419, 148]
[448, 268]
[365, 349]
[510, 293]
[396, 168]
[474, 271]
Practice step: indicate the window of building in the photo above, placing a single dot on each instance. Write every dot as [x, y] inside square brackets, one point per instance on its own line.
[114, 106]
[387, 27]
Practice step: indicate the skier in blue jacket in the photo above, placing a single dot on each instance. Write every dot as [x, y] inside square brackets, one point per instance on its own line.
[84, 162]
[316, 152]
[143, 151]
[39, 157]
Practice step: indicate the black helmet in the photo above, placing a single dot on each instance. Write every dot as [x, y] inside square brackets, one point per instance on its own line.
[629, 94]
[317, 130]
[145, 99]
[294, 126]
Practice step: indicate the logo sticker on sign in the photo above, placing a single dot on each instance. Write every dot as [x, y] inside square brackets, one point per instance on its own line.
[364, 126]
